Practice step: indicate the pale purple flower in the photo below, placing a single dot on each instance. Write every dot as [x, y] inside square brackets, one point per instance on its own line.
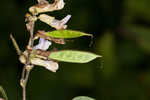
[43, 44]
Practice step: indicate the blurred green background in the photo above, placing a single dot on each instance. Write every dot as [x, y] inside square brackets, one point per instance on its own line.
[121, 30]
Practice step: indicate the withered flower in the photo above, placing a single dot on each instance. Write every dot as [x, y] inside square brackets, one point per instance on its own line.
[48, 64]
[44, 6]
[58, 24]
[43, 45]
[39, 56]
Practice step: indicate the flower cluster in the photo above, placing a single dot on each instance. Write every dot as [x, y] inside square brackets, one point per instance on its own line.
[38, 54]
[36, 57]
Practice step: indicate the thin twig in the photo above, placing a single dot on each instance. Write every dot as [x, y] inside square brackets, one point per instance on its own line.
[15, 45]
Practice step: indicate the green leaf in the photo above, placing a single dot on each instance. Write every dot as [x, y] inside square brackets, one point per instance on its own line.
[2, 91]
[73, 56]
[83, 98]
[66, 34]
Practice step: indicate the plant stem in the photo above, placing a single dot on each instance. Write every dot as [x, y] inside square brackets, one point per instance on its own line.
[25, 81]
[31, 40]
[28, 66]
[25, 77]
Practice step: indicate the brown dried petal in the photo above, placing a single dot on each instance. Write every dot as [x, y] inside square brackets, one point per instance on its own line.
[58, 41]
[44, 6]
[41, 2]
[43, 53]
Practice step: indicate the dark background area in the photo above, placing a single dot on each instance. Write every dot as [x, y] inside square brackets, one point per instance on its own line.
[121, 30]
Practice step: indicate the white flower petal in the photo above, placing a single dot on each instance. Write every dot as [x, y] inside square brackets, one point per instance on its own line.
[60, 24]
[60, 4]
[50, 65]
[65, 20]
